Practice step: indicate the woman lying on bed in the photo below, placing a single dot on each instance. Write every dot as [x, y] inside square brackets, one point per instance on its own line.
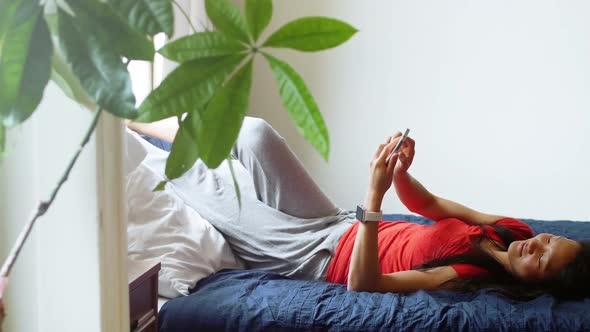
[294, 229]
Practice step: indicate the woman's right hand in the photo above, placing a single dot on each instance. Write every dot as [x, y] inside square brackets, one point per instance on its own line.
[381, 171]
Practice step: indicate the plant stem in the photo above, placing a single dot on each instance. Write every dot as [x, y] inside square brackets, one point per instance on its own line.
[44, 205]
[185, 15]
[205, 26]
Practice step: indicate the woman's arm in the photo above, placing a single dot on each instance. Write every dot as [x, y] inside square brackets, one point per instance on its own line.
[411, 281]
[365, 272]
[164, 129]
[419, 200]
[442, 208]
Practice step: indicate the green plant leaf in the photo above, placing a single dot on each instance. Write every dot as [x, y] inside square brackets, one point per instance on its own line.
[146, 16]
[16, 37]
[223, 117]
[2, 140]
[161, 186]
[7, 9]
[235, 179]
[188, 88]
[185, 150]
[97, 66]
[61, 73]
[301, 106]
[311, 34]
[201, 45]
[50, 12]
[7, 15]
[63, 76]
[227, 18]
[101, 22]
[31, 51]
[210, 133]
[258, 15]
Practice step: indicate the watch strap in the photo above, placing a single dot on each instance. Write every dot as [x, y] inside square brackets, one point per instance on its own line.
[363, 215]
[373, 216]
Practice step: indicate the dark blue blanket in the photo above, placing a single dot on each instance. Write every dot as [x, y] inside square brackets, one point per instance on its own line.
[237, 300]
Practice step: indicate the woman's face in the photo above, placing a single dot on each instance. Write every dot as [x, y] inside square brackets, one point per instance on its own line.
[541, 257]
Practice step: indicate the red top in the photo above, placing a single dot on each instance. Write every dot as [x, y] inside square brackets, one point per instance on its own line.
[403, 245]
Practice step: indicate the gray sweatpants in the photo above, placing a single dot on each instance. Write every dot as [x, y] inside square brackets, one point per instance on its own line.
[286, 223]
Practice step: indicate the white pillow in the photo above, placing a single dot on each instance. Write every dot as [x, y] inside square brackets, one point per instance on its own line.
[135, 152]
[162, 227]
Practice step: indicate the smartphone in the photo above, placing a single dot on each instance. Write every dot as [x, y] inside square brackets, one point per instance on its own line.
[399, 145]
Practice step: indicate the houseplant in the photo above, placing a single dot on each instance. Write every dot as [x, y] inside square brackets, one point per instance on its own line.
[84, 46]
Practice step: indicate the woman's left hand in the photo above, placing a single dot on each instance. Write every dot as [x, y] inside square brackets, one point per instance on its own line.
[380, 171]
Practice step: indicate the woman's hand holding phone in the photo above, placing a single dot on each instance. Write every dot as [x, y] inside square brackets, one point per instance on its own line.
[381, 172]
[399, 145]
[387, 163]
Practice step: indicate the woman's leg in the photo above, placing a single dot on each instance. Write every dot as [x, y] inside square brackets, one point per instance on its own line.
[280, 178]
[261, 235]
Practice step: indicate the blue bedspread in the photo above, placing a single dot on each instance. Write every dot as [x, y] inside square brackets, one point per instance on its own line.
[238, 300]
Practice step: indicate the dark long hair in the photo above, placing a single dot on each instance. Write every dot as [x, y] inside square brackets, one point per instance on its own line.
[571, 283]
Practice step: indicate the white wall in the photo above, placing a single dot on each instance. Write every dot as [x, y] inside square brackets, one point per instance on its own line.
[55, 284]
[484, 86]
[18, 185]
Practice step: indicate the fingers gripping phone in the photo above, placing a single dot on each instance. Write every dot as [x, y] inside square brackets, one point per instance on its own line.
[399, 145]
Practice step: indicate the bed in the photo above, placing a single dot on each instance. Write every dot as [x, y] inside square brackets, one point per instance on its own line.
[246, 300]
[243, 300]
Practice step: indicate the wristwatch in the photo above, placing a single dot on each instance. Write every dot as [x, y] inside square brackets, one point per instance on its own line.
[363, 215]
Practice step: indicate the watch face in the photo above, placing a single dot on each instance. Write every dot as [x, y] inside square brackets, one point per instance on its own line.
[359, 214]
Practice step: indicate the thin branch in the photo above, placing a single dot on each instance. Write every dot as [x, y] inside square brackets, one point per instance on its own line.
[185, 15]
[205, 27]
[44, 205]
